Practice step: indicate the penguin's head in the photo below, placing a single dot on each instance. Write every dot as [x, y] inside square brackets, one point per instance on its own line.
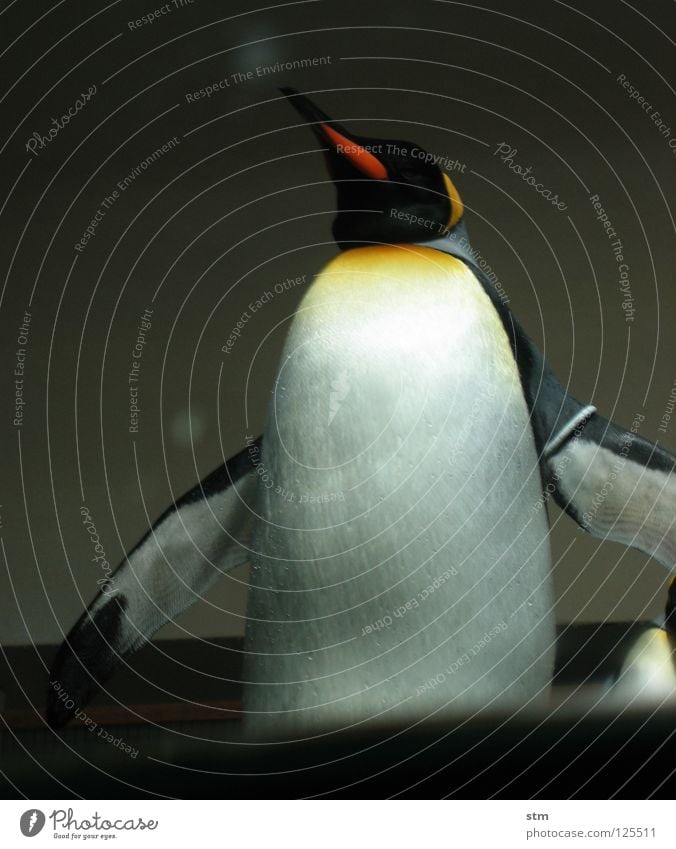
[387, 190]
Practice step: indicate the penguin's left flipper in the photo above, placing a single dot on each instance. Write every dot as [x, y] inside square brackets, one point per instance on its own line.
[203, 535]
[616, 485]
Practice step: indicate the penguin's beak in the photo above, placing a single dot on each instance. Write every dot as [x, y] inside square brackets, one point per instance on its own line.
[334, 137]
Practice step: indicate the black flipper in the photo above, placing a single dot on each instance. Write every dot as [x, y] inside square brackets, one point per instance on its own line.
[203, 535]
[618, 486]
[615, 484]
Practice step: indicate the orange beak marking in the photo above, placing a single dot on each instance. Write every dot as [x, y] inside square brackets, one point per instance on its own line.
[366, 162]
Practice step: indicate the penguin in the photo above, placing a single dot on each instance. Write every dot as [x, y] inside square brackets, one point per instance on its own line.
[393, 512]
[648, 672]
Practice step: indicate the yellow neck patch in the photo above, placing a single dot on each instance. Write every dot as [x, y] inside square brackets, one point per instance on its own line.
[457, 207]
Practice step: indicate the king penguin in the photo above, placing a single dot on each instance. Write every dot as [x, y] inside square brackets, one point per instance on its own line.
[648, 672]
[393, 511]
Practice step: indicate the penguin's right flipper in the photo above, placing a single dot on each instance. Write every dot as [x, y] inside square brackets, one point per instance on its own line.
[617, 486]
[203, 535]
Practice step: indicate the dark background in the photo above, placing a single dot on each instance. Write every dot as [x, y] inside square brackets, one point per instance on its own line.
[243, 202]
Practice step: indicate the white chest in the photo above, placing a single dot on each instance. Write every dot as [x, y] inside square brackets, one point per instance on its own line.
[402, 564]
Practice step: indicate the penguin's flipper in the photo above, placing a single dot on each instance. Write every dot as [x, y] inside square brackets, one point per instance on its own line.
[617, 486]
[203, 535]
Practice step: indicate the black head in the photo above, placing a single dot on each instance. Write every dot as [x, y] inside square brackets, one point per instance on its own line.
[387, 190]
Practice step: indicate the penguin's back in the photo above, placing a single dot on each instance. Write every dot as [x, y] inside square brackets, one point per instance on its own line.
[402, 560]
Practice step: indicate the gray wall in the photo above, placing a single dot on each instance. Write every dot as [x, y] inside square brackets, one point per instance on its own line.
[216, 221]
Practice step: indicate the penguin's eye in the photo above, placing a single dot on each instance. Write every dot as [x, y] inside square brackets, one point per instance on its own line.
[409, 174]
